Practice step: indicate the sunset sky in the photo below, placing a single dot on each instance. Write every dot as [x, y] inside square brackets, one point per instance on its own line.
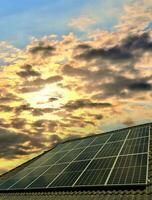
[71, 68]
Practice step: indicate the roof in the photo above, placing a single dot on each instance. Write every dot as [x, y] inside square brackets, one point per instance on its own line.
[117, 193]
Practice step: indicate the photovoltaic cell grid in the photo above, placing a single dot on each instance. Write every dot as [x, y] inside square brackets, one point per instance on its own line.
[115, 158]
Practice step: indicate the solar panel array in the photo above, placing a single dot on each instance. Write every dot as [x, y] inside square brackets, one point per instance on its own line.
[115, 158]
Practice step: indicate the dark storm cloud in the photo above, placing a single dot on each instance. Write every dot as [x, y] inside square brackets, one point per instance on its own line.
[28, 71]
[85, 103]
[42, 49]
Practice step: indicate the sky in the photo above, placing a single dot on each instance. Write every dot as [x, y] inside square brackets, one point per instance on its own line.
[71, 68]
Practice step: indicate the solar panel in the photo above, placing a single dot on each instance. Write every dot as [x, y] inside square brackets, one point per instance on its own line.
[70, 155]
[135, 172]
[135, 145]
[50, 173]
[115, 158]
[70, 174]
[96, 173]
[89, 152]
[139, 132]
[110, 149]
[101, 139]
[117, 136]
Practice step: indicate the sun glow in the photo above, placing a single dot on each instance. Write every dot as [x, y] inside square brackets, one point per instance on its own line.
[51, 96]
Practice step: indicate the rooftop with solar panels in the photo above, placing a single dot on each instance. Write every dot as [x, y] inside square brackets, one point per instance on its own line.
[116, 161]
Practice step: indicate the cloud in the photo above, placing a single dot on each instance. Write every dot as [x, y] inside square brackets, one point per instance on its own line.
[18, 123]
[136, 42]
[28, 71]
[12, 144]
[114, 53]
[129, 122]
[71, 71]
[42, 49]
[38, 84]
[82, 23]
[6, 108]
[54, 139]
[9, 97]
[125, 51]
[45, 124]
[140, 86]
[122, 87]
[136, 17]
[85, 103]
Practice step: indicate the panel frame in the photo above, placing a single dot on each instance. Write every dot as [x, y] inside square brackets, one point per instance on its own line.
[148, 154]
[117, 158]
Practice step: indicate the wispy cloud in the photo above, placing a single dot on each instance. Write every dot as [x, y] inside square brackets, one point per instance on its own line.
[82, 23]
